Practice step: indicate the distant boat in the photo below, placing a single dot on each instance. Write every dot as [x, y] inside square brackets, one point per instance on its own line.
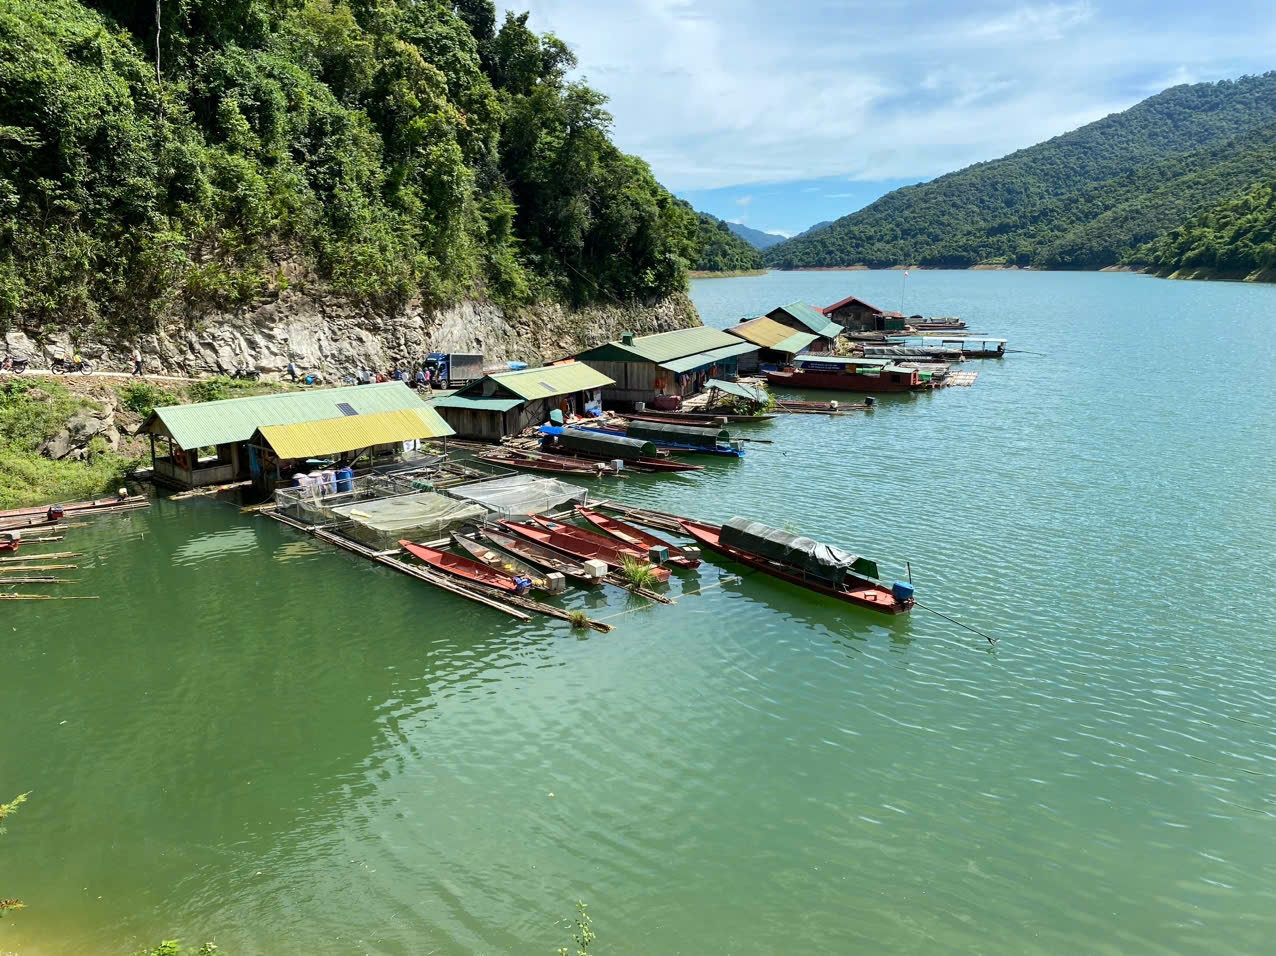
[637, 537]
[466, 568]
[803, 562]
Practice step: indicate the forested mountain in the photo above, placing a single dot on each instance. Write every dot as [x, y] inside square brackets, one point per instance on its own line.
[721, 250]
[1085, 199]
[390, 148]
[755, 237]
[1234, 238]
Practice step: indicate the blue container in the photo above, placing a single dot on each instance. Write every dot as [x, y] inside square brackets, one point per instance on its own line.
[345, 479]
[902, 591]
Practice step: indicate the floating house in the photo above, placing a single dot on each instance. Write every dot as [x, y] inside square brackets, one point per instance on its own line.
[503, 404]
[208, 443]
[801, 317]
[855, 315]
[646, 368]
[777, 344]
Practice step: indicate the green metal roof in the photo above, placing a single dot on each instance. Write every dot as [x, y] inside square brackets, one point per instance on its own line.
[235, 419]
[812, 318]
[664, 346]
[551, 380]
[701, 359]
[795, 343]
[477, 403]
[738, 390]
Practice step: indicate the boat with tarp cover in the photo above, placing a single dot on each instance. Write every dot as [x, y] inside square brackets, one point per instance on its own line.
[805, 562]
[589, 445]
[638, 538]
[683, 439]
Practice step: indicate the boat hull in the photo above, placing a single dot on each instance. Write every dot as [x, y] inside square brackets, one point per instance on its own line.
[583, 545]
[484, 554]
[866, 594]
[636, 537]
[840, 382]
[465, 568]
[538, 555]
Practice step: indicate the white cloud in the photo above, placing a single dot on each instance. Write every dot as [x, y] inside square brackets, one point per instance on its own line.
[744, 200]
[731, 92]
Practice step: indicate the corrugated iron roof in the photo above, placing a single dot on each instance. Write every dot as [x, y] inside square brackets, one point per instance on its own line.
[666, 346]
[700, 359]
[738, 390]
[770, 334]
[551, 380]
[847, 301]
[477, 403]
[812, 318]
[235, 419]
[352, 432]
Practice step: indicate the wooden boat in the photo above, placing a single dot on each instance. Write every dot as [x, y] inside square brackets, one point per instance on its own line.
[637, 537]
[835, 374]
[720, 449]
[646, 464]
[556, 464]
[466, 569]
[576, 543]
[76, 508]
[685, 417]
[862, 591]
[10, 540]
[539, 555]
[512, 566]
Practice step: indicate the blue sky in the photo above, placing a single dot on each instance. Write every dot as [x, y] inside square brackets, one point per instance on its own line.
[780, 114]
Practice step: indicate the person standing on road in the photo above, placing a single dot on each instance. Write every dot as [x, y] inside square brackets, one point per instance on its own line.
[137, 360]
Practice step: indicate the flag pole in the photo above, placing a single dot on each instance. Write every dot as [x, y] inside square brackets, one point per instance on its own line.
[903, 284]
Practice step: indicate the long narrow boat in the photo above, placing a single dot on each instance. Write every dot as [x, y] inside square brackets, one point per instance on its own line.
[76, 508]
[578, 544]
[466, 569]
[686, 417]
[599, 446]
[637, 464]
[637, 537]
[539, 555]
[484, 554]
[675, 447]
[843, 581]
[525, 461]
[839, 374]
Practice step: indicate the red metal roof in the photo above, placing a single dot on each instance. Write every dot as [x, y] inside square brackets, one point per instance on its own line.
[847, 301]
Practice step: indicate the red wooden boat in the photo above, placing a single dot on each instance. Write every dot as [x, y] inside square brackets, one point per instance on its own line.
[637, 537]
[579, 544]
[635, 464]
[466, 569]
[855, 589]
[524, 461]
[538, 555]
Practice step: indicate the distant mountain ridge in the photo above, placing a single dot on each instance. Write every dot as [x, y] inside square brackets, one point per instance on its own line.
[755, 237]
[1083, 200]
[719, 249]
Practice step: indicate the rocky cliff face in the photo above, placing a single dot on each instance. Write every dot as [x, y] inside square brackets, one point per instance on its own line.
[328, 335]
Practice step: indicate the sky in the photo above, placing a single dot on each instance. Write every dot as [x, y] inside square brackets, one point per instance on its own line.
[782, 114]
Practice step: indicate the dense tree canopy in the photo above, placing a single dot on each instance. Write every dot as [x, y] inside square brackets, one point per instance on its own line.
[721, 250]
[1082, 200]
[396, 148]
[1236, 237]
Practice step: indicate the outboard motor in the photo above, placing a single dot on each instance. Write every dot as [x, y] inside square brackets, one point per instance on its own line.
[55, 513]
[870, 401]
[902, 591]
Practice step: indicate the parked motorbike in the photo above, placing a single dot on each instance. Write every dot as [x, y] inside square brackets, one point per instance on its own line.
[244, 372]
[14, 366]
[61, 364]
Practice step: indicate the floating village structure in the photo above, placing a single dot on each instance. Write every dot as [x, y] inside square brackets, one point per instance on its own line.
[655, 369]
[210, 443]
[853, 314]
[801, 317]
[504, 404]
[777, 343]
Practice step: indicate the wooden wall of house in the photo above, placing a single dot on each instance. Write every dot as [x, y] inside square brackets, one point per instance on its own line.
[635, 381]
[856, 318]
[476, 423]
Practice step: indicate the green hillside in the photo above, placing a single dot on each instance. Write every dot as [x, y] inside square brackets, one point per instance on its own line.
[721, 250]
[1082, 200]
[755, 237]
[1235, 238]
[386, 148]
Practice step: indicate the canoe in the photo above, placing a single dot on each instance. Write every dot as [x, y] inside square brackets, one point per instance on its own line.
[683, 417]
[575, 543]
[637, 537]
[466, 569]
[548, 463]
[854, 589]
[538, 555]
[512, 566]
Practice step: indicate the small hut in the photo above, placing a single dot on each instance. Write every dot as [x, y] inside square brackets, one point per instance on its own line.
[504, 404]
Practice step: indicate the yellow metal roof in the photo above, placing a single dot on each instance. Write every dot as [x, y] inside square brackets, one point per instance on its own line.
[352, 432]
[765, 332]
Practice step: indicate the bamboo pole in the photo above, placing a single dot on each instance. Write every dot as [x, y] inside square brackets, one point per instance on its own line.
[38, 567]
[42, 557]
[48, 597]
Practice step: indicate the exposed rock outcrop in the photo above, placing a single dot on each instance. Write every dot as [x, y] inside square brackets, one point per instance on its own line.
[327, 334]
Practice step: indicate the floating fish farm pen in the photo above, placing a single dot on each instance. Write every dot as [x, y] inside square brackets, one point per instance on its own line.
[520, 495]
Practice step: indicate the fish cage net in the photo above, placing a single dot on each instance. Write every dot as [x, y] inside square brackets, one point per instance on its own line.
[316, 503]
[520, 495]
[380, 523]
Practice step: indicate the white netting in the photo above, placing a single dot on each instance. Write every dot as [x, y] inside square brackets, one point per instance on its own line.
[382, 522]
[521, 494]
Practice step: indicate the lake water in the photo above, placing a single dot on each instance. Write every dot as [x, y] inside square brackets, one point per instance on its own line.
[255, 739]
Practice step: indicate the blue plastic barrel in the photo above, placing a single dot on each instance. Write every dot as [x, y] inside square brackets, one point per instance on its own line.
[902, 591]
[345, 479]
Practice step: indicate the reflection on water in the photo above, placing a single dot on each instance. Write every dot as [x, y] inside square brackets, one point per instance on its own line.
[260, 740]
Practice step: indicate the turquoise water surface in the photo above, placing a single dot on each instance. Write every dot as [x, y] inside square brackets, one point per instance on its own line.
[255, 739]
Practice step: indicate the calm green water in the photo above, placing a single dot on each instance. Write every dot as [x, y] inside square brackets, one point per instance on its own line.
[255, 739]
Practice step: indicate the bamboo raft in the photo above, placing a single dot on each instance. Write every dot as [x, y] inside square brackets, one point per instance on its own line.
[14, 558]
[512, 605]
[37, 567]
